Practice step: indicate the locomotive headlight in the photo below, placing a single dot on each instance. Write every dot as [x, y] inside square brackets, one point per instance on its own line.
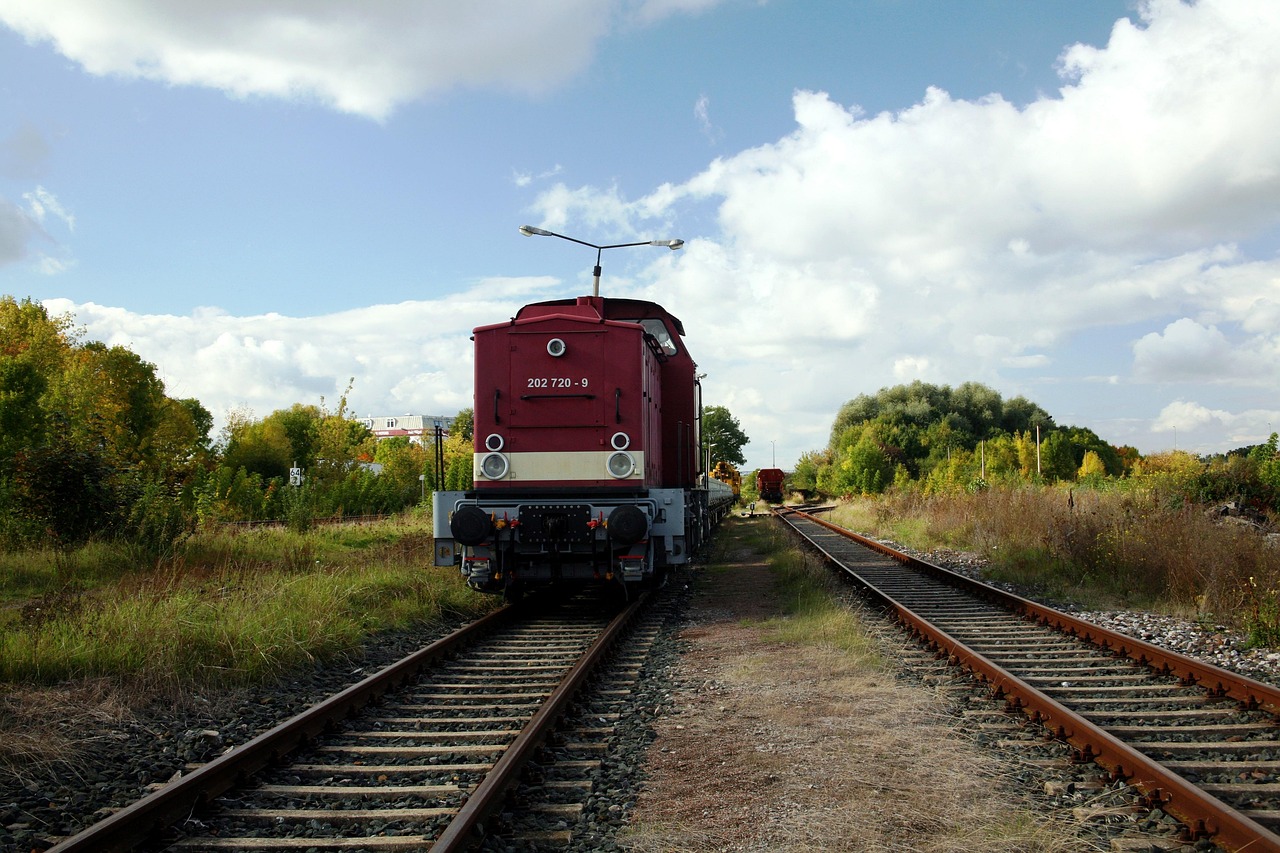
[555, 347]
[493, 442]
[620, 441]
[621, 464]
[494, 466]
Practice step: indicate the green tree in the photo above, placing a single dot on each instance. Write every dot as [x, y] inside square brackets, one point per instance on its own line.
[261, 448]
[464, 424]
[1022, 415]
[402, 463]
[22, 420]
[33, 349]
[1083, 440]
[112, 400]
[1002, 458]
[458, 474]
[68, 494]
[864, 460]
[1057, 457]
[90, 444]
[26, 328]
[201, 421]
[301, 425]
[981, 408]
[805, 476]
[722, 432]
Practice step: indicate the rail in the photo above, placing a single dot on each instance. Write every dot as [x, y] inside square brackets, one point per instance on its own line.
[137, 823]
[1202, 813]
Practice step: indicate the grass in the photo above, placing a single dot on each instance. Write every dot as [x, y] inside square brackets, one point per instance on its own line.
[233, 608]
[801, 737]
[1099, 549]
[810, 616]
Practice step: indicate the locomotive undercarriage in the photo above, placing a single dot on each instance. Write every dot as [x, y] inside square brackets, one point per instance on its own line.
[507, 546]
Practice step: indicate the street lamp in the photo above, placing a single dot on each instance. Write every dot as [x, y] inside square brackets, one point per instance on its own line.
[530, 231]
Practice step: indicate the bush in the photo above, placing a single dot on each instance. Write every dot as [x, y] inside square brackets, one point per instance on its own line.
[158, 521]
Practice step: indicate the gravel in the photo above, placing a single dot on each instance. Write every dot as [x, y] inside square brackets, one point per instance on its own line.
[119, 758]
[1209, 642]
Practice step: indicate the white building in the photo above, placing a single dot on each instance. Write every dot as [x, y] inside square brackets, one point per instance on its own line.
[419, 428]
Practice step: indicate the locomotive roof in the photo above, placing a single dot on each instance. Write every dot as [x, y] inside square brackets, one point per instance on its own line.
[613, 309]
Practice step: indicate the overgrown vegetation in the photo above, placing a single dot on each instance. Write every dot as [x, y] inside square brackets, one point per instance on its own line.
[804, 740]
[942, 440]
[1099, 547]
[234, 608]
[1057, 507]
[93, 450]
[811, 615]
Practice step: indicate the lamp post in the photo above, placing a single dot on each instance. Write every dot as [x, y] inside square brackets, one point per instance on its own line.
[530, 231]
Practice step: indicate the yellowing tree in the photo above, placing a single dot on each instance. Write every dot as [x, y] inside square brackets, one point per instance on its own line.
[1092, 466]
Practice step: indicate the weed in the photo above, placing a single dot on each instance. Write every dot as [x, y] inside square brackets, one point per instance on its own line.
[1262, 619]
[1099, 548]
[231, 608]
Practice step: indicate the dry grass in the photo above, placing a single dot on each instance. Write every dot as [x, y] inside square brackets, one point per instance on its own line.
[44, 728]
[791, 745]
[1101, 548]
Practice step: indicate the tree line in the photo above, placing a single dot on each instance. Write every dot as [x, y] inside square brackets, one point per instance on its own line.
[939, 438]
[92, 447]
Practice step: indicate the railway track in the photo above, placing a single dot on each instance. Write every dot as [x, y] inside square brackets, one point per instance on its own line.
[1202, 743]
[418, 756]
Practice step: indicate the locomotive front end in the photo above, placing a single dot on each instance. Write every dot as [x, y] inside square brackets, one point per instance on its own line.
[568, 462]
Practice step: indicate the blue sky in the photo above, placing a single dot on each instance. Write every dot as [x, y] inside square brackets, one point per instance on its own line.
[1075, 201]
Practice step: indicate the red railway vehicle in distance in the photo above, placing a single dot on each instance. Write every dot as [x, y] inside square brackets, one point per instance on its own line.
[586, 462]
[770, 484]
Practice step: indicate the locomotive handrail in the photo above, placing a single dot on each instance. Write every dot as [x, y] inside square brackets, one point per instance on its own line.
[555, 396]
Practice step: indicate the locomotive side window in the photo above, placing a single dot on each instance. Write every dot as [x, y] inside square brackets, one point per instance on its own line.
[658, 329]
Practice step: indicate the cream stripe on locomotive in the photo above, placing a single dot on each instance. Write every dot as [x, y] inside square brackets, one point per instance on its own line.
[562, 467]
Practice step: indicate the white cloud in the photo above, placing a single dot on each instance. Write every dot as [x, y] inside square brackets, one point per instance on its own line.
[1185, 415]
[1187, 350]
[949, 241]
[23, 233]
[702, 115]
[972, 240]
[524, 179]
[1189, 424]
[412, 356]
[361, 58]
[44, 204]
[648, 11]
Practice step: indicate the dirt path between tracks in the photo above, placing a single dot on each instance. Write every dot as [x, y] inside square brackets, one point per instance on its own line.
[780, 746]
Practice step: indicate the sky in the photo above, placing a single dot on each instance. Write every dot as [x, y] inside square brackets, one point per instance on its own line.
[275, 201]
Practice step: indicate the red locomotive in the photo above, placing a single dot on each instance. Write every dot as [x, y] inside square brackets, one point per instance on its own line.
[587, 463]
[769, 483]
